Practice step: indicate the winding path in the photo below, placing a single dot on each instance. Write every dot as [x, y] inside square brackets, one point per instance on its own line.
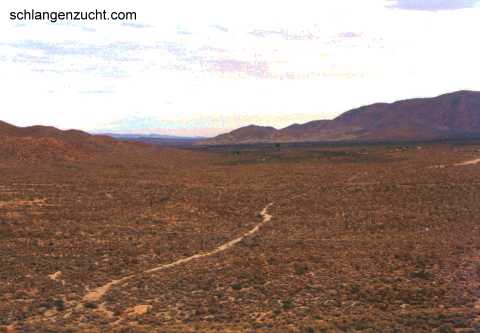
[471, 162]
[465, 163]
[96, 294]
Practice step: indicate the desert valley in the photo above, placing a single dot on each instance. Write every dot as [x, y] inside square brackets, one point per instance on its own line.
[288, 235]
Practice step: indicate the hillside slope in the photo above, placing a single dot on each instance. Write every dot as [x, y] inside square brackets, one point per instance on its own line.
[43, 142]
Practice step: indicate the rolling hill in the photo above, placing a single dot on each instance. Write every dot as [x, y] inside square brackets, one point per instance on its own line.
[44, 142]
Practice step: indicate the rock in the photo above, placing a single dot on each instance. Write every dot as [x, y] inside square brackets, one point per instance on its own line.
[55, 276]
[50, 313]
[139, 310]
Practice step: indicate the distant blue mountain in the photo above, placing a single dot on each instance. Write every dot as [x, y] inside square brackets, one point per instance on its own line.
[151, 136]
[156, 139]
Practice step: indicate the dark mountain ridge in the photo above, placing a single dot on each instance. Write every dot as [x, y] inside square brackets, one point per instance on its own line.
[452, 115]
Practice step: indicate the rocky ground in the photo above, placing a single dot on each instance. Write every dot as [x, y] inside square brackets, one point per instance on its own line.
[362, 239]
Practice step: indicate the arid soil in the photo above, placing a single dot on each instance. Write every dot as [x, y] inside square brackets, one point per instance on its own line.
[359, 239]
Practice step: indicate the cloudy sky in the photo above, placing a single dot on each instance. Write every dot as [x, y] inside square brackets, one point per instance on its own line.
[190, 67]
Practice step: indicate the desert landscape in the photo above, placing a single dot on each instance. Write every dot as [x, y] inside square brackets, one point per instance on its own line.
[240, 166]
[109, 236]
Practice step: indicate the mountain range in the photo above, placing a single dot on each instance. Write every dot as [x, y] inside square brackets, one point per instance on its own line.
[134, 136]
[157, 139]
[448, 116]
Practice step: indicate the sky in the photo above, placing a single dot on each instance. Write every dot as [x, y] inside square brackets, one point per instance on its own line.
[201, 68]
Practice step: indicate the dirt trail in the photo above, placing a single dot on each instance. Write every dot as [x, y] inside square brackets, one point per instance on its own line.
[470, 162]
[96, 294]
[442, 166]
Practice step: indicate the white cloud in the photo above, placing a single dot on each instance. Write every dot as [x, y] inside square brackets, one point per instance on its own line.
[197, 67]
[433, 5]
